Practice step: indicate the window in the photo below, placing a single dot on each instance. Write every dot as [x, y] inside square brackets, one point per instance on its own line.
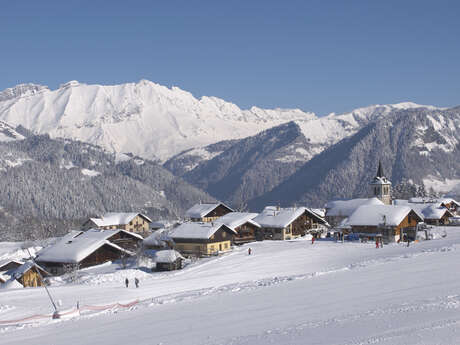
[224, 234]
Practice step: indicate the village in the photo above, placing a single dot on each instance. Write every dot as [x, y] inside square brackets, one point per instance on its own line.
[213, 229]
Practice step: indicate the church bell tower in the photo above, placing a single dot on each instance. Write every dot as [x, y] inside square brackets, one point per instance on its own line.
[381, 187]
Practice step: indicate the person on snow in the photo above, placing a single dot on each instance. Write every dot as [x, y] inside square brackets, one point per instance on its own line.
[136, 281]
[312, 239]
[249, 251]
[376, 243]
[126, 282]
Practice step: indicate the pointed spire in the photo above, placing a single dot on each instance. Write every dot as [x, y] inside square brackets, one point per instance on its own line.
[380, 170]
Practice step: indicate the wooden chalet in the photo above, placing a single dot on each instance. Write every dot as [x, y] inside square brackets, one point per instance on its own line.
[386, 221]
[132, 222]
[288, 223]
[434, 213]
[245, 228]
[80, 249]
[202, 239]
[168, 260]
[27, 274]
[207, 212]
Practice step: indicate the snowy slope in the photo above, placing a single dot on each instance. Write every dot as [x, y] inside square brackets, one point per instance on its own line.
[144, 118]
[326, 293]
[9, 133]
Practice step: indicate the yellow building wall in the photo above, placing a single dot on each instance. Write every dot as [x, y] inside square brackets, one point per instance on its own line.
[138, 225]
[203, 248]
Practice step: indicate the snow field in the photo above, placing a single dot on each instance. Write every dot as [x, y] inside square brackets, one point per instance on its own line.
[285, 293]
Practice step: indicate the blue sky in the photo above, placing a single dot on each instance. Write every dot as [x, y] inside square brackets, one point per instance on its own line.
[321, 56]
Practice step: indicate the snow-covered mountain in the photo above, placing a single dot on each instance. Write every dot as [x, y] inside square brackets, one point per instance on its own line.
[319, 134]
[294, 162]
[157, 122]
[143, 118]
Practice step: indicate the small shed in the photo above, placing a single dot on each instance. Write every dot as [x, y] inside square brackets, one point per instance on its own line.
[168, 260]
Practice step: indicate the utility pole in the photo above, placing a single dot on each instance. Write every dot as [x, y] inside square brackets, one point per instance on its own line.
[56, 312]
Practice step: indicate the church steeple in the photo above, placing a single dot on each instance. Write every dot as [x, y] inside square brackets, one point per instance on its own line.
[380, 170]
[380, 186]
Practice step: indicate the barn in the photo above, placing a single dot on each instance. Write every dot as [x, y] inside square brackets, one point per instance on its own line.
[80, 249]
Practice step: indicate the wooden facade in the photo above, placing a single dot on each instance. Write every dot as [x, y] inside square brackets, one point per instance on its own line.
[246, 233]
[303, 224]
[170, 266]
[219, 211]
[389, 233]
[31, 277]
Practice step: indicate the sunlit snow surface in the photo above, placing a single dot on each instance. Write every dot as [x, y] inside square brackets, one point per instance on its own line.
[289, 292]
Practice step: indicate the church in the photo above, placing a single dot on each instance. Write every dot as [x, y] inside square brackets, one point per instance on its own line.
[380, 187]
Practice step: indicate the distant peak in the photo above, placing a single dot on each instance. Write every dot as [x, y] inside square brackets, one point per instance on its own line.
[21, 90]
[71, 83]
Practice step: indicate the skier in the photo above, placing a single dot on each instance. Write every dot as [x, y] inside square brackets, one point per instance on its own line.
[376, 243]
[126, 282]
[136, 281]
[249, 251]
[312, 239]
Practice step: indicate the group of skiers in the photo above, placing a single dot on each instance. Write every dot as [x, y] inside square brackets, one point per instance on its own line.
[136, 282]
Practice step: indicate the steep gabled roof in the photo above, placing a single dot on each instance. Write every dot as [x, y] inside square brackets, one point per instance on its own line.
[201, 210]
[194, 230]
[236, 219]
[274, 217]
[117, 218]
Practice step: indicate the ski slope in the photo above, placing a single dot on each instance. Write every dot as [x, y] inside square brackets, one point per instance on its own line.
[285, 293]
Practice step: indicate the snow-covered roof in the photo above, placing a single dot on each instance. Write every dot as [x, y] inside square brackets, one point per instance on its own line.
[201, 210]
[344, 208]
[375, 215]
[77, 245]
[6, 262]
[194, 230]
[236, 219]
[319, 211]
[275, 217]
[117, 218]
[380, 180]
[167, 256]
[430, 210]
[428, 200]
[157, 238]
[18, 272]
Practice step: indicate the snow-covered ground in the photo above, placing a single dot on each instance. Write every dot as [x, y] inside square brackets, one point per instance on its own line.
[284, 293]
